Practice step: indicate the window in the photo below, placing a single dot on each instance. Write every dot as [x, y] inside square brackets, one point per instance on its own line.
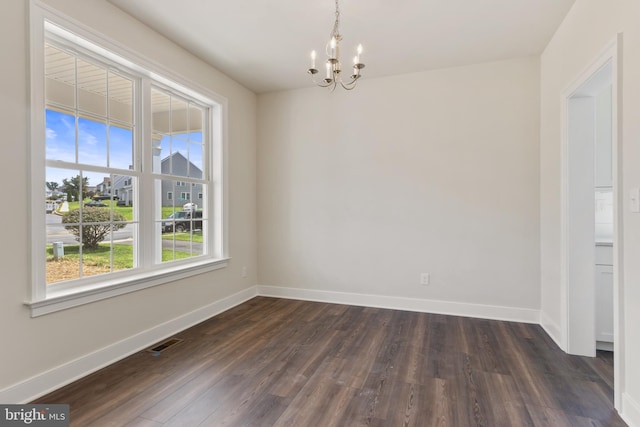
[111, 119]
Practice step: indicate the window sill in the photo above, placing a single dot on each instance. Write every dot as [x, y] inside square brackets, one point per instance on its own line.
[62, 300]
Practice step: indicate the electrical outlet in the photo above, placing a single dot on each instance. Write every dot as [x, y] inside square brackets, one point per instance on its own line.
[424, 279]
[244, 271]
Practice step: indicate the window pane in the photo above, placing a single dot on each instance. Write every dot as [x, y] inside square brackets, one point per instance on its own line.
[197, 246]
[181, 223]
[96, 259]
[123, 192]
[122, 246]
[60, 136]
[120, 98]
[195, 124]
[160, 112]
[90, 183]
[160, 151]
[113, 253]
[89, 238]
[179, 160]
[70, 184]
[63, 262]
[92, 142]
[95, 208]
[60, 77]
[58, 268]
[92, 88]
[120, 147]
[195, 161]
[179, 124]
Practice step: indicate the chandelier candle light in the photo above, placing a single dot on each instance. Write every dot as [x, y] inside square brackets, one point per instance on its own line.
[333, 67]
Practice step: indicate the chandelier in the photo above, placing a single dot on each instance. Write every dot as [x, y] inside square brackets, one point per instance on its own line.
[333, 66]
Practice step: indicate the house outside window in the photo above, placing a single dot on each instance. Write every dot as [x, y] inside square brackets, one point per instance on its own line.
[99, 111]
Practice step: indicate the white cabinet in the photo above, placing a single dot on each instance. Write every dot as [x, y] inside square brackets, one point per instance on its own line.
[604, 254]
[604, 294]
[604, 303]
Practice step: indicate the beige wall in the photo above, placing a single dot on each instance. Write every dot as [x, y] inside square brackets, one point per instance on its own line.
[585, 32]
[33, 346]
[432, 172]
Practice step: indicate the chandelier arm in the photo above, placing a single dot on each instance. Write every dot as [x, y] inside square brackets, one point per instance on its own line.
[350, 85]
[322, 83]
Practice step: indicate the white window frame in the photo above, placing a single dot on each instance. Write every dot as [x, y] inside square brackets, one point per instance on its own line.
[148, 273]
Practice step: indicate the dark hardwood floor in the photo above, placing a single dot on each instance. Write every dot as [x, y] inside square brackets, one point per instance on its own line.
[276, 362]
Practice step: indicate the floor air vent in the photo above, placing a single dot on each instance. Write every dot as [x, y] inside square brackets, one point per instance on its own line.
[164, 345]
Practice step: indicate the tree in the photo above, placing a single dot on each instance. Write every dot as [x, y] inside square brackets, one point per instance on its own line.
[52, 185]
[96, 224]
[73, 186]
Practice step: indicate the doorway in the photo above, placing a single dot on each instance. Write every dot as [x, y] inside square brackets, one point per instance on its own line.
[590, 209]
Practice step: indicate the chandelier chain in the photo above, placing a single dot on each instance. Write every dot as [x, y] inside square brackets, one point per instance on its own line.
[336, 26]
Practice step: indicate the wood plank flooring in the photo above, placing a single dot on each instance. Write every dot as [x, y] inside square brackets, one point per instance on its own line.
[276, 362]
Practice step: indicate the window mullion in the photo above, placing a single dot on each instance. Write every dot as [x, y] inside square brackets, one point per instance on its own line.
[149, 237]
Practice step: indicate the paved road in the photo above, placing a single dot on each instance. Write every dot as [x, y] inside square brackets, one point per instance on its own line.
[57, 233]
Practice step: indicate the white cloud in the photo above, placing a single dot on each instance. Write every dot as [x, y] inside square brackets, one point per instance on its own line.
[89, 139]
[51, 134]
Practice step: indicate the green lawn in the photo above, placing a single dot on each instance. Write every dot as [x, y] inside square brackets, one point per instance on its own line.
[184, 237]
[122, 255]
[126, 211]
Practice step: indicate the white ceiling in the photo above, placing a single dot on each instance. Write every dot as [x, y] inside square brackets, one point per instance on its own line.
[265, 45]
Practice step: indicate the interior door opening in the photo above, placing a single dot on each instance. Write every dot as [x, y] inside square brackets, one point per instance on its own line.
[590, 214]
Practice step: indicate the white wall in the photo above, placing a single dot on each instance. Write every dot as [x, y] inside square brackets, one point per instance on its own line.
[33, 347]
[436, 172]
[586, 31]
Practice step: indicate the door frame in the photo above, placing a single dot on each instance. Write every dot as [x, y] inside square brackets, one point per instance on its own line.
[612, 54]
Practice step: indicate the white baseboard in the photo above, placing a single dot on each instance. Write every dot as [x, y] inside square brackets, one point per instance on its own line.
[59, 376]
[552, 329]
[481, 311]
[630, 411]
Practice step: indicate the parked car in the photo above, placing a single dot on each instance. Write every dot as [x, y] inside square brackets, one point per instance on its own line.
[182, 221]
[95, 205]
[104, 197]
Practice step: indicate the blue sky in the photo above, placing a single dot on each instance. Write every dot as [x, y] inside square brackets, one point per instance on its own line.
[92, 146]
